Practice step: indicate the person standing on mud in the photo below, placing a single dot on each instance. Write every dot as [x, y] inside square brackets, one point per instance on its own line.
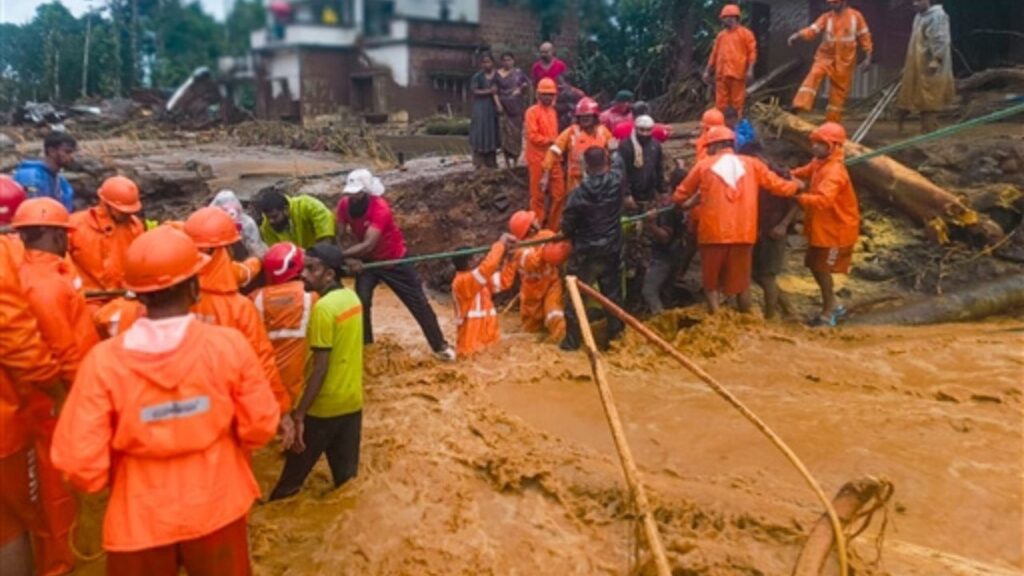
[592, 224]
[167, 414]
[329, 414]
[541, 125]
[513, 95]
[547, 65]
[43, 178]
[540, 286]
[831, 216]
[928, 71]
[484, 138]
[472, 288]
[302, 219]
[369, 219]
[726, 186]
[643, 186]
[569, 147]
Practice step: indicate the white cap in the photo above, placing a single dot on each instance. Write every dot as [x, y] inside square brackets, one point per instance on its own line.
[645, 122]
[361, 180]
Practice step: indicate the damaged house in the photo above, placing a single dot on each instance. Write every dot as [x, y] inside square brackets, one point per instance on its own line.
[385, 59]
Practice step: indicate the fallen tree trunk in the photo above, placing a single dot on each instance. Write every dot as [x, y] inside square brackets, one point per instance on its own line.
[893, 182]
[848, 503]
[985, 77]
[982, 300]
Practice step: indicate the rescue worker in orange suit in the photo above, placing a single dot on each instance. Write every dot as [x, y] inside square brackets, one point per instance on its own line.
[726, 186]
[11, 196]
[540, 126]
[26, 364]
[213, 231]
[475, 316]
[732, 60]
[842, 29]
[51, 285]
[285, 306]
[831, 216]
[540, 287]
[569, 147]
[103, 232]
[711, 118]
[166, 415]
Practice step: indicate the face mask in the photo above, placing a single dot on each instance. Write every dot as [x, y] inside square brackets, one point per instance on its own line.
[357, 207]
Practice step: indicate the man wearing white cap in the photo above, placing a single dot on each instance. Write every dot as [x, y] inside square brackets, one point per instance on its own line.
[371, 224]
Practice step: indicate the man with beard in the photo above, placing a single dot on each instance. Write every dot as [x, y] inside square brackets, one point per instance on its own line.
[302, 220]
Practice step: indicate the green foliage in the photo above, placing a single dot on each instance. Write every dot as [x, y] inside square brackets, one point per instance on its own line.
[637, 44]
[43, 59]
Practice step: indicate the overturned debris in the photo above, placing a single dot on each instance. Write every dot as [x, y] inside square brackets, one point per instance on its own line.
[915, 195]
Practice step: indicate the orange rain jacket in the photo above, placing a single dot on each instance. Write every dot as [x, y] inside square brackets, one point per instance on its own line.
[25, 360]
[285, 309]
[540, 129]
[52, 288]
[170, 431]
[836, 58]
[247, 270]
[728, 185]
[734, 52]
[221, 304]
[540, 289]
[475, 316]
[571, 144]
[831, 212]
[97, 246]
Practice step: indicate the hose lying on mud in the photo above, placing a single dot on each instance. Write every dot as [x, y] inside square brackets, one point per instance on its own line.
[979, 301]
[612, 308]
[629, 468]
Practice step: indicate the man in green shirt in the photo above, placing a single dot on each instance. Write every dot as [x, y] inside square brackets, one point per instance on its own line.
[302, 220]
[328, 417]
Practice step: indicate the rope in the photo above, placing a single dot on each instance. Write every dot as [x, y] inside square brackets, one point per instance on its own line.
[453, 253]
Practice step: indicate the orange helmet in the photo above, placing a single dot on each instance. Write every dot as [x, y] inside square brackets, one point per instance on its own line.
[211, 227]
[729, 10]
[720, 134]
[121, 194]
[712, 117]
[161, 258]
[556, 253]
[587, 107]
[283, 262]
[547, 86]
[831, 133]
[519, 223]
[41, 212]
[11, 196]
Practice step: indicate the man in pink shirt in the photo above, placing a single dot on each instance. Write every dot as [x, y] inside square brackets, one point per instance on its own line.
[620, 111]
[377, 238]
[548, 66]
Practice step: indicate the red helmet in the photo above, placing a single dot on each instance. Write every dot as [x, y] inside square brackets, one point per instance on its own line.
[831, 133]
[520, 222]
[11, 196]
[720, 134]
[712, 117]
[661, 132]
[587, 107]
[729, 10]
[283, 262]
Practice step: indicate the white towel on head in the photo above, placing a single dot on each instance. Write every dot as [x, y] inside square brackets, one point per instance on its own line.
[730, 169]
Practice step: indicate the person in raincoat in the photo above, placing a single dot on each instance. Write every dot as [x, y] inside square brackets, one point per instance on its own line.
[928, 71]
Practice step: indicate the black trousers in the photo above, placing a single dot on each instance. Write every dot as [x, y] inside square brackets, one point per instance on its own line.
[405, 283]
[337, 437]
[605, 268]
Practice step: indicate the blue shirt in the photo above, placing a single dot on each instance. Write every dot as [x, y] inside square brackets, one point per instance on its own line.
[744, 133]
[38, 181]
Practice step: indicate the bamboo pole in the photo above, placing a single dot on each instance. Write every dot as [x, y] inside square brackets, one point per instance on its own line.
[618, 433]
[612, 308]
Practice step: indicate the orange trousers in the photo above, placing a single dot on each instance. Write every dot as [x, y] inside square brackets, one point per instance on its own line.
[18, 507]
[538, 199]
[730, 92]
[839, 87]
[541, 306]
[221, 553]
[57, 506]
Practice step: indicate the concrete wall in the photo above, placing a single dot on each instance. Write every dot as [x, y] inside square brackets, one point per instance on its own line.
[507, 27]
[459, 10]
[326, 86]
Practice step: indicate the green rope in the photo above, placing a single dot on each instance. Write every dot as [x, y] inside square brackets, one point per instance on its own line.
[940, 133]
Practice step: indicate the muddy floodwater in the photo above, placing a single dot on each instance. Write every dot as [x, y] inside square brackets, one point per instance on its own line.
[504, 464]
